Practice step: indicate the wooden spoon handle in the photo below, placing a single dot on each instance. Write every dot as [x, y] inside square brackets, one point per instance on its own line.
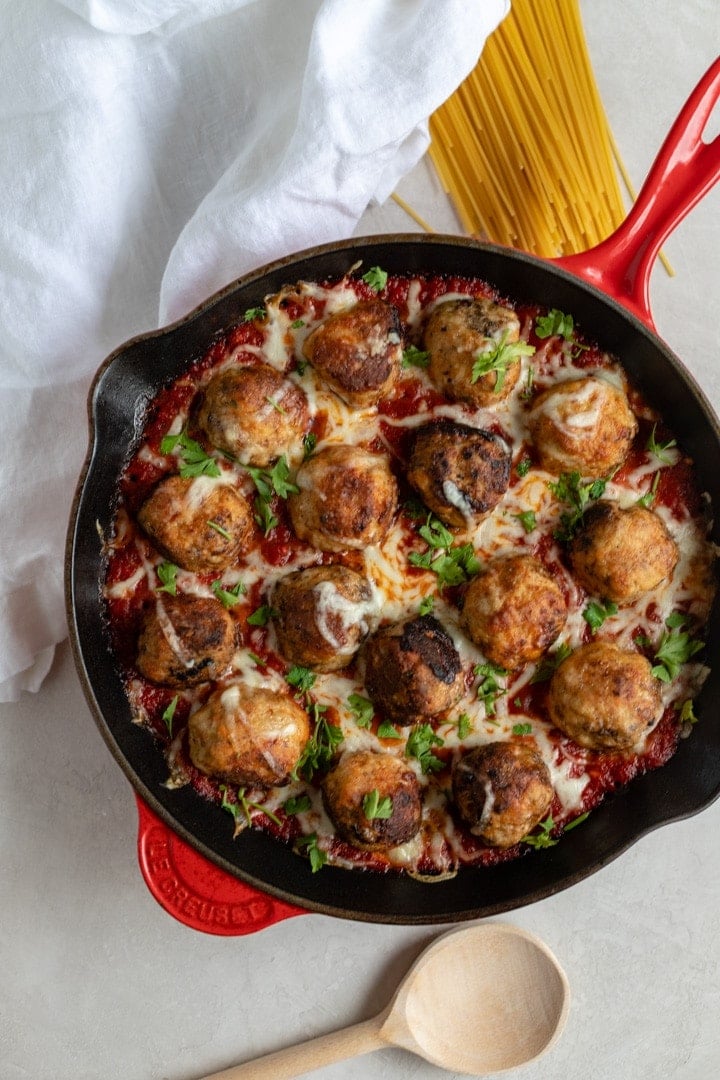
[313, 1054]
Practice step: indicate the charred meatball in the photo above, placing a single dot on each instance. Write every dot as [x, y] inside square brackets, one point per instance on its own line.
[254, 413]
[604, 697]
[514, 610]
[358, 352]
[185, 640]
[455, 333]
[460, 472]
[622, 554]
[248, 735]
[584, 425]
[502, 791]
[199, 524]
[322, 615]
[359, 780]
[347, 499]
[413, 670]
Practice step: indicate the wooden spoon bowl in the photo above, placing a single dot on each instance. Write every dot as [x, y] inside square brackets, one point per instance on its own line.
[481, 999]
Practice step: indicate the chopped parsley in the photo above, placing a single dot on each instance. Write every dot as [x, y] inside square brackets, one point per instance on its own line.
[523, 466]
[527, 519]
[386, 730]
[550, 663]
[555, 322]
[375, 807]
[309, 844]
[498, 357]
[219, 529]
[296, 324]
[261, 616]
[464, 725]
[675, 649]
[570, 489]
[194, 460]
[228, 597]
[302, 678]
[659, 449]
[648, 498]
[241, 807]
[321, 746]
[453, 565]
[419, 745]
[522, 729]
[414, 357]
[543, 838]
[309, 444]
[362, 710]
[687, 713]
[297, 804]
[167, 572]
[270, 482]
[277, 407]
[254, 313]
[489, 689]
[376, 278]
[596, 613]
[426, 605]
[169, 715]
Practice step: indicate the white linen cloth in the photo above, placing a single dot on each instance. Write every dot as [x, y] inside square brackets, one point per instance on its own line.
[151, 152]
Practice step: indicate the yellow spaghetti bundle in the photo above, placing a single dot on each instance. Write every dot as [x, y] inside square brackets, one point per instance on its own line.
[523, 146]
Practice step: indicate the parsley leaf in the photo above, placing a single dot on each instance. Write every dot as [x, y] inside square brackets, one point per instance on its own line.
[362, 709]
[169, 714]
[489, 689]
[264, 515]
[687, 713]
[596, 613]
[386, 730]
[543, 839]
[376, 278]
[498, 357]
[261, 616]
[194, 460]
[453, 565]
[254, 313]
[464, 725]
[426, 605]
[576, 821]
[522, 729]
[414, 357]
[167, 572]
[275, 481]
[527, 519]
[219, 529]
[228, 597]
[375, 807]
[555, 322]
[302, 678]
[309, 444]
[675, 649]
[296, 324]
[309, 844]
[320, 748]
[523, 466]
[550, 663]
[419, 745]
[297, 804]
[648, 498]
[569, 488]
[241, 807]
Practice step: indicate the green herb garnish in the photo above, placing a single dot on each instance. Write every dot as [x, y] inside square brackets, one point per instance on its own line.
[659, 449]
[240, 809]
[302, 678]
[254, 313]
[261, 616]
[320, 748]
[297, 323]
[376, 278]
[168, 572]
[675, 649]
[543, 839]
[498, 357]
[522, 729]
[362, 709]
[555, 322]
[386, 730]
[569, 488]
[309, 844]
[464, 725]
[596, 613]
[419, 745]
[523, 466]
[426, 605]
[648, 498]
[309, 444]
[687, 712]
[219, 529]
[228, 597]
[489, 689]
[453, 565]
[527, 519]
[375, 807]
[194, 460]
[169, 714]
[550, 663]
[414, 357]
[297, 804]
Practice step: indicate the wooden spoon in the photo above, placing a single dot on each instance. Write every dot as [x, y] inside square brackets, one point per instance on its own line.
[480, 999]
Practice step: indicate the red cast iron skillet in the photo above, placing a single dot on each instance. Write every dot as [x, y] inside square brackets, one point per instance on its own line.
[606, 290]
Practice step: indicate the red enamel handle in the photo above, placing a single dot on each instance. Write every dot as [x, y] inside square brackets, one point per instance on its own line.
[196, 892]
[683, 172]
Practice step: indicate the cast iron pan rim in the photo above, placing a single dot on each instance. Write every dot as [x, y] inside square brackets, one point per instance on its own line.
[359, 246]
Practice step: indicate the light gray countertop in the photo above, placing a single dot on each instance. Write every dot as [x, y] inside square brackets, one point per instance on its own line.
[99, 983]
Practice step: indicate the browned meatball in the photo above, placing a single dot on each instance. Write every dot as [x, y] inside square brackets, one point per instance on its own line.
[514, 610]
[199, 524]
[584, 425]
[248, 735]
[622, 554]
[358, 352]
[461, 472]
[322, 615]
[413, 670]
[185, 640]
[254, 413]
[362, 778]
[604, 697]
[502, 791]
[347, 499]
[456, 331]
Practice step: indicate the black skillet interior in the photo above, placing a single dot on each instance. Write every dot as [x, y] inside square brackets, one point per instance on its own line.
[129, 380]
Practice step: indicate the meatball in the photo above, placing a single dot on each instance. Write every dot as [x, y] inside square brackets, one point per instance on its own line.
[347, 499]
[322, 615]
[514, 610]
[413, 670]
[461, 472]
[622, 554]
[254, 413]
[248, 735]
[502, 791]
[358, 352]
[584, 425]
[199, 524]
[185, 640]
[366, 775]
[604, 697]
[455, 332]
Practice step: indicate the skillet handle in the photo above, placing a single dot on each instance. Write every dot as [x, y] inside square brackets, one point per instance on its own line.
[195, 891]
[683, 172]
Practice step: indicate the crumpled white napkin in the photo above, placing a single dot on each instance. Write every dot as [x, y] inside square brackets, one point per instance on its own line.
[152, 152]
